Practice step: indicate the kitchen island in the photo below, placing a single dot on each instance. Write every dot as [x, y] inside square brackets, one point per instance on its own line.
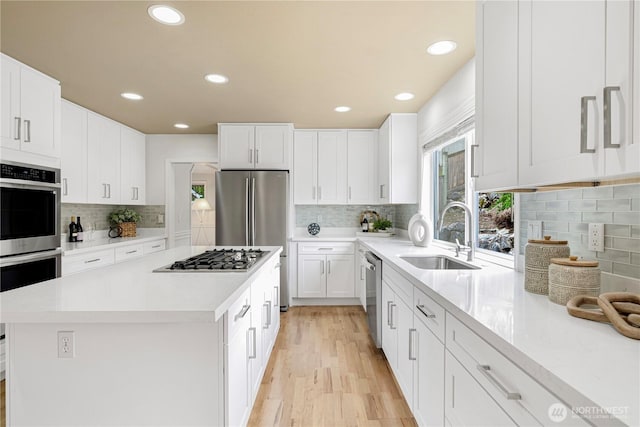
[123, 345]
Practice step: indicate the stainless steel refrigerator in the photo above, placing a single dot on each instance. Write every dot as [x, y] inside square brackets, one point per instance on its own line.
[252, 209]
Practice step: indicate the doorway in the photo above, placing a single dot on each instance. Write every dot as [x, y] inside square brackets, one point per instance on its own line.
[203, 213]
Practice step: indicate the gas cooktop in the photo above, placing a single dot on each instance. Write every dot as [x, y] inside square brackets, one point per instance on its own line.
[216, 260]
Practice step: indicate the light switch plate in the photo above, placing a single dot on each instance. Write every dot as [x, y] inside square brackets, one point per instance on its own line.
[534, 230]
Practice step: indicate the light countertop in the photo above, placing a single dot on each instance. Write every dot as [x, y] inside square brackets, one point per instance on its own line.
[131, 292]
[101, 241]
[584, 363]
[339, 234]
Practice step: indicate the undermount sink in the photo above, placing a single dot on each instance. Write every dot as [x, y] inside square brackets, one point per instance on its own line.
[437, 262]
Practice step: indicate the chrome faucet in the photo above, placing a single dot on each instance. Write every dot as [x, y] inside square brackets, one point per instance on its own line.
[471, 250]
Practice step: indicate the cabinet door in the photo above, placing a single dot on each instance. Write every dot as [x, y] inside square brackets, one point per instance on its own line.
[238, 382]
[132, 147]
[257, 338]
[340, 276]
[73, 162]
[312, 282]
[11, 124]
[496, 161]
[305, 167]
[103, 160]
[272, 147]
[403, 156]
[406, 350]
[361, 278]
[466, 402]
[237, 146]
[428, 377]
[552, 97]
[40, 112]
[362, 153]
[332, 167]
[384, 161]
[389, 326]
[274, 300]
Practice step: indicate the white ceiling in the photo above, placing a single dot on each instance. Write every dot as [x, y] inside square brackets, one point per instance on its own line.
[288, 61]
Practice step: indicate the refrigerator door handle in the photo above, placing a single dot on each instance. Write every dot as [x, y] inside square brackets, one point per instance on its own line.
[253, 211]
[246, 212]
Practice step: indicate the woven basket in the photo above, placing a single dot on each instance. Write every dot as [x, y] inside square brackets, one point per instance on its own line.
[537, 257]
[128, 229]
[566, 281]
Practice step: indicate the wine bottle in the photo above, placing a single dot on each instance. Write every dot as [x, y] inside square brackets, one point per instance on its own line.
[365, 224]
[73, 230]
[80, 231]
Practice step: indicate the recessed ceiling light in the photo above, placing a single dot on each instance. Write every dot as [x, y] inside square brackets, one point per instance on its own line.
[442, 47]
[132, 96]
[404, 96]
[181, 126]
[166, 15]
[342, 109]
[216, 78]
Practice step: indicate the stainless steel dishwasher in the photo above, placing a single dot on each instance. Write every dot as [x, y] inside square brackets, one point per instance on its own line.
[374, 297]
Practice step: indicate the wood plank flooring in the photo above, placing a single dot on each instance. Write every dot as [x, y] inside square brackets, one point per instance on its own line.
[326, 371]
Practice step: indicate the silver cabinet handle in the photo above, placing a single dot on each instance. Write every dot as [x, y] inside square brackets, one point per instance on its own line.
[65, 187]
[393, 326]
[362, 272]
[17, 128]
[276, 298]
[27, 130]
[411, 344]
[92, 260]
[109, 188]
[254, 350]
[426, 312]
[389, 312]
[381, 191]
[250, 155]
[607, 116]
[131, 252]
[329, 267]
[133, 193]
[484, 370]
[243, 312]
[325, 249]
[313, 192]
[104, 191]
[156, 246]
[584, 121]
[268, 313]
[319, 193]
[246, 212]
[474, 174]
[257, 157]
[322, 263]
[267, 321]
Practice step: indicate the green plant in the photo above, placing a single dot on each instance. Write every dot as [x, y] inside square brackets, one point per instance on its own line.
[124, 215]
[381, 224]
[504, 202]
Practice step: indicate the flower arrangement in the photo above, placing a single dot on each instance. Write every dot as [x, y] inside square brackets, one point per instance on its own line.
[124, 215]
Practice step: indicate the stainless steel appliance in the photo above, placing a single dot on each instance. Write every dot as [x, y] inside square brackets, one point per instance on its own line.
[374, 297]
[252, 209]
[30, 208]
[217, 260]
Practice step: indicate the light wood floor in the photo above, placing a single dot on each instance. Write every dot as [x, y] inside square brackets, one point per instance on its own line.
[326, 371]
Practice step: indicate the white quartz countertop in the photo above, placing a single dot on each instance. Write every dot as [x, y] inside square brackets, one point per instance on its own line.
[102, 241]
[590, 362]
[131, 292]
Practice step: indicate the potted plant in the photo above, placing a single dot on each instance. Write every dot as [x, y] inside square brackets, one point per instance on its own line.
[126, 219]
[382, 224]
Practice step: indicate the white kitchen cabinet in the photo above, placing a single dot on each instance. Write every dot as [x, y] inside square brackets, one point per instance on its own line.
[332, 167]
[494, 155]
[406, 349]
[103, 160]
[428, 375]
[248, 146]
[389, 326]
[258, 339]
[132, 155]
[154, 246]
[30, 110]
[361, 277]
[398, 159]
[305, 167]
[326, 270]
[362, 153]
[73, 160]
[126, 253]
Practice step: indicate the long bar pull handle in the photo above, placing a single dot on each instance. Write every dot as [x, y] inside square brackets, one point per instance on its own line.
[584, 121]
[254, 346]
[411, 344]
[104, 191]
[426, 312]
[474, 174]
[322, 264]
[484, 370]
[253, 212]
[267, 321]
[325, 249]
[607, 116]
[243, 312]
[393, 326]
[329, 267]
[389, 312]
[257, 158]
[65, 187]
[246, 212]
[276, 298]
[17, 121]
[27, 130]
[109, 188]
[362, 272]
[381, 191]
[250, 155]
[92, 260]
[268, 314]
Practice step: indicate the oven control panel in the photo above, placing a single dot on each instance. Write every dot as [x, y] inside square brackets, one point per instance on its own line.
[27, 173]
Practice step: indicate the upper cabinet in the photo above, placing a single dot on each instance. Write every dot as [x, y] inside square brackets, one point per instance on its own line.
[132, 164]
[30, 111]
[73, 161]
[398, 160]
[362, 161]
[103, 160]
[245, 146]
[574, 92]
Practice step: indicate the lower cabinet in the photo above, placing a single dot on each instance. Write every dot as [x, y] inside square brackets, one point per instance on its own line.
[326, 270]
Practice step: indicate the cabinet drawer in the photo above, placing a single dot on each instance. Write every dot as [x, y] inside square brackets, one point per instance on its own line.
[88, 261]
[528, 403]
[238, 317]
[401, 286]
[155, 246]
[125, 253]
[429, 312]
[326, 248]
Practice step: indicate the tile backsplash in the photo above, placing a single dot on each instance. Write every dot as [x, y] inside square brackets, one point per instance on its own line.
[566, 215]
[349, 215]
[94, 217]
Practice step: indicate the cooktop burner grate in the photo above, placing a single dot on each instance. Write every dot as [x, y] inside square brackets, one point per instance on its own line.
[217, 260]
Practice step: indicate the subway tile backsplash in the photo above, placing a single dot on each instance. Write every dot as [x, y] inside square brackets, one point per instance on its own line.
[566, 215]
[94, 217]
[349, 215]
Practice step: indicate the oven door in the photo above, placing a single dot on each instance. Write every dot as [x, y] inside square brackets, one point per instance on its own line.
[30, 216]
[23, 270]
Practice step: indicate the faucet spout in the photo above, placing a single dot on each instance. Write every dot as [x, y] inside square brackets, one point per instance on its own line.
[468, 226]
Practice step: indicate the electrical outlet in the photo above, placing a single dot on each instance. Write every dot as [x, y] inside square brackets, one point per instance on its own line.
[66, 345]
[160, 219]
[596, 237]
[534, 230]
